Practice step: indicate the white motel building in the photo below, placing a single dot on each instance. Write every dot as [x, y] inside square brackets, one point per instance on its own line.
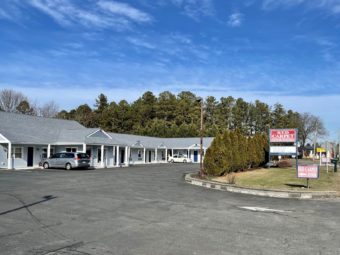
[32, 138]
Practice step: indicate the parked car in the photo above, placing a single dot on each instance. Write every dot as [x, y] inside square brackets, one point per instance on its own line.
[179, 158]
[67, 160]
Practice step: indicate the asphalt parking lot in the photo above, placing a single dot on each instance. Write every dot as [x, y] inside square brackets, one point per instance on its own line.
[151, 210]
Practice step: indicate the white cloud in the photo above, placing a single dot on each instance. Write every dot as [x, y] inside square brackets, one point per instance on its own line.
[331, 6]
[196, 9]
[235, 19]
[98, 14]
[125, 10]
[139, 42]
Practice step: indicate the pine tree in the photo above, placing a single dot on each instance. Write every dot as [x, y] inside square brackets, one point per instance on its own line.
[235, 165]
[227, 152]
[214, 161]
[251, 158]
[242, 150]
[182, 130]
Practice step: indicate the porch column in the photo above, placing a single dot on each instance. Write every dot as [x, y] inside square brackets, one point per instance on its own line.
[117, 156]
[9, 152]
[48, 150]
[126, 155]
[113, 155]
[166, 155]
[156, 155]
[102, 161]
[189, 153]
[144, 155]
[172, 152]
[84, 147]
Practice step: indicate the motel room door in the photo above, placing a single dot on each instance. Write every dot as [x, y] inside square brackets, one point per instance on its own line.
[30, 153]
[195, 156]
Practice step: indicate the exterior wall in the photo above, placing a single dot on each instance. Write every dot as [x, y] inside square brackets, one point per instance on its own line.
[110, 155]
[134, 156]
[37, 155]
[159, 155]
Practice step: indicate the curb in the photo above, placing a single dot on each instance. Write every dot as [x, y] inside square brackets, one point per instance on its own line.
[262, 192]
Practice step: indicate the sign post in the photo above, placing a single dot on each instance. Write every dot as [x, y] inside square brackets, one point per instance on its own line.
[309, 172]
[283, 136]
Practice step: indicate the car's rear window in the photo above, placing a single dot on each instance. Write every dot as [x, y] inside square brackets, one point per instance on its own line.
[82, 155]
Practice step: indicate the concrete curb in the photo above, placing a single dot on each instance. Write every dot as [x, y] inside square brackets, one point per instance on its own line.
[262, 192]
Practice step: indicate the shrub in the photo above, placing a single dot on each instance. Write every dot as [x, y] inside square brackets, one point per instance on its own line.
[231, 178]
[284, 163]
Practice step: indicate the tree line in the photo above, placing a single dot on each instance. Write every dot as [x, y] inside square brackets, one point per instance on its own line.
[170, 115]
[232, 152]
[16, 102]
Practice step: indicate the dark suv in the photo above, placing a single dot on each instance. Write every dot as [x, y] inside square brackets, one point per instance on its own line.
[67, 160]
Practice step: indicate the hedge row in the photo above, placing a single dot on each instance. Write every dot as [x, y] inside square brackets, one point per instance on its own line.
[233, 152]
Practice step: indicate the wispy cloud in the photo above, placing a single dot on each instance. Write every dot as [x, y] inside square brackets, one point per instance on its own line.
[139, 42]
[97, 14]
[235, 19]
[331, 6]
[126, 11]
[196, 9]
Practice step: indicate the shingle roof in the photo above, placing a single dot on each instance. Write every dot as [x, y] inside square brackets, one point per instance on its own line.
[19, 128]
[25, 128]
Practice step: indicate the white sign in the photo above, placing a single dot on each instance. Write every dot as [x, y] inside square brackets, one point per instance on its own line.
[282, 149]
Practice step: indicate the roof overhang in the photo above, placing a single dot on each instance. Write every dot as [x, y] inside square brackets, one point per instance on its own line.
[3, 139]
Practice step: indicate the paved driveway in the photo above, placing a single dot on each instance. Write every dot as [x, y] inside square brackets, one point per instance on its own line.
[151, 210]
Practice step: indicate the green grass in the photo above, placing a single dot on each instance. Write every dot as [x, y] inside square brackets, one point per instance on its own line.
[286, 179]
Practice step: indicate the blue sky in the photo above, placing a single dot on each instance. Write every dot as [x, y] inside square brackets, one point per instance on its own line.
[283, 51]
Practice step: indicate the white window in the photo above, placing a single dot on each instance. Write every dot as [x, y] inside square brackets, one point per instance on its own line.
[139, 153]
[71, 149]
[17, 152]
[44, 152]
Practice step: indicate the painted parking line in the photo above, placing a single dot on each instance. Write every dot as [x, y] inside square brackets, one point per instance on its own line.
[261, 209]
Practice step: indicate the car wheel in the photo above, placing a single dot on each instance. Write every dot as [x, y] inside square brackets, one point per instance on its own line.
[46, 166]
[68, 166]
[172, 161]
[184, 161]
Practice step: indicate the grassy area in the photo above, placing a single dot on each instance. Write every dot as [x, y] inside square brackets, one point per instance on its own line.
[285, 178]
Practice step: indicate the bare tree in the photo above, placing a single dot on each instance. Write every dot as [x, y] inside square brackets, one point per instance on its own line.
[307, 124]
[49, 109]
[11, 99]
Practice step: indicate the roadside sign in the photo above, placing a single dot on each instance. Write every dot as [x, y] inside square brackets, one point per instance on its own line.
[310, 172]
[320, 150]
[326, 160]
[283, 135]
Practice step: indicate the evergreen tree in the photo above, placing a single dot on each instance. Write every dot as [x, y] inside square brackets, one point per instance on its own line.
[25, 108]
[235, 164]
[242, 149]
[182, 130]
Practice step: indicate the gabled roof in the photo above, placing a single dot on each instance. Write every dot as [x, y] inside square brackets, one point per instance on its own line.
[22, 128]
[19, 128]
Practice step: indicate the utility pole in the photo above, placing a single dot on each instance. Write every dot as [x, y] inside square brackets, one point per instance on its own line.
[316, 131]
[327, 155]
[339, 144]
[200, 99]
[201, 163]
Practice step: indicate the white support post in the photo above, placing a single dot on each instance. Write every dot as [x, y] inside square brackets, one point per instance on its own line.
[113, 155]
[156, 155]
[48, 150]
[102, 156]
[144, 156]
[166, 155]
[126, 155]
[84, 147]
[172, 153]
[117, 156]
[9, 152]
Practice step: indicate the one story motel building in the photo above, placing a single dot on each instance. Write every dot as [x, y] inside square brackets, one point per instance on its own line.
[32, 138]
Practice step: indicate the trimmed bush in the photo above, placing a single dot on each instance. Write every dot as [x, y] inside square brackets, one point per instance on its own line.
[284, 163]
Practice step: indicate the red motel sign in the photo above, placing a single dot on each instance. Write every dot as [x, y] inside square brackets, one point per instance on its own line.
[283, 135]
